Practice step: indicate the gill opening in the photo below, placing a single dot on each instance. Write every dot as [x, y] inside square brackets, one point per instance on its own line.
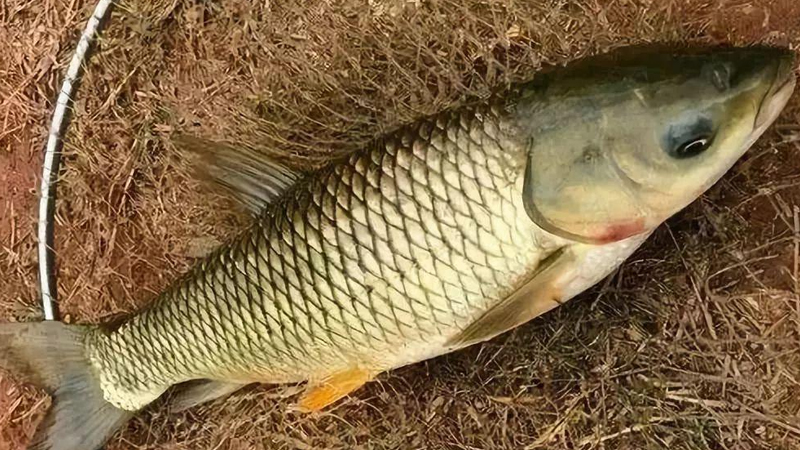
[533, 212]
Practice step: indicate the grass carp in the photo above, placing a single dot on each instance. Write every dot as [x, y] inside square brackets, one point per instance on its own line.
[437, 236]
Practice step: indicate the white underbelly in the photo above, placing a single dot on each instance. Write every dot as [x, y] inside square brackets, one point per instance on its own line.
[594, 263]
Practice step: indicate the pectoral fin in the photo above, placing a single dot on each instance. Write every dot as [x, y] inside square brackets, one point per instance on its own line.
[333, 388]
[537, 295]
[253, 178]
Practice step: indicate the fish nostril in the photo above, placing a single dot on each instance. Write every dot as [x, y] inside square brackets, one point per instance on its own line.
[720, 75]
[590, 154]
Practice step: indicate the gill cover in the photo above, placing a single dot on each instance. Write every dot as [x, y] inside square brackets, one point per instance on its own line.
[617, 145]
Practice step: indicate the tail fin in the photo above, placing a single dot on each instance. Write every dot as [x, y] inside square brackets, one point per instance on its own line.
[51, 355]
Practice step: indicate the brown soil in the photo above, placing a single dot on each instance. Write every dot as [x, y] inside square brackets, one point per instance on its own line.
[17, 185]
[692, 344]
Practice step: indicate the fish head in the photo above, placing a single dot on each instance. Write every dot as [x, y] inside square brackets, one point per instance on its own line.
[616, 147]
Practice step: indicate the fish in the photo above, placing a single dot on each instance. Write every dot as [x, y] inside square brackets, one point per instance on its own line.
[440, 235]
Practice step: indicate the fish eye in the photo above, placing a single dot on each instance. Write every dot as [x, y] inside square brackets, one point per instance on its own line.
[689, 138]
[692, 147]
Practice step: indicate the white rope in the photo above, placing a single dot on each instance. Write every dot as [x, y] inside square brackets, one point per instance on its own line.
[52, 159]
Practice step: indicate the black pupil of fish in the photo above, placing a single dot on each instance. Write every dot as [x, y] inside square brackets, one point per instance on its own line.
[692, 148]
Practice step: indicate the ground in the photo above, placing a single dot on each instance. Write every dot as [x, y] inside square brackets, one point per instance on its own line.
[692, 344]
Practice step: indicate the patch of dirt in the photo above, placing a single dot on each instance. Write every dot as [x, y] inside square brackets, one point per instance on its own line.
[18, 183]
[735, 20]
[692, 344]
[22, 408]
[19, 175]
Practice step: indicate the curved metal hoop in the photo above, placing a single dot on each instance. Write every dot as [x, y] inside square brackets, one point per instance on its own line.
[52, 159]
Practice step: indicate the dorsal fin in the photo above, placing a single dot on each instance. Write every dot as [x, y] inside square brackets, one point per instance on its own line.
[253, 178]
[537, 295]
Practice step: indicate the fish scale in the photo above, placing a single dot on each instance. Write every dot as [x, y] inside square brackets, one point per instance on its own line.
[399, 246]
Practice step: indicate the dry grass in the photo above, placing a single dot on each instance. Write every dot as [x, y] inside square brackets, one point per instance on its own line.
[693, 344]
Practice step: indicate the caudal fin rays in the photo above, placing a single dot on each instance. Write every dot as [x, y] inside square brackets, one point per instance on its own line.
[51, 355]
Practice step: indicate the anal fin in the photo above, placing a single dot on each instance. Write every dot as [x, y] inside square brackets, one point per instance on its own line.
[333, 388]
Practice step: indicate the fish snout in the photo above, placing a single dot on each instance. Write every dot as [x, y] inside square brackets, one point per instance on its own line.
[779, 93]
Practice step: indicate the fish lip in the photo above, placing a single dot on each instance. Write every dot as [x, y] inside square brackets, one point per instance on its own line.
[785, 71]
[782, 87]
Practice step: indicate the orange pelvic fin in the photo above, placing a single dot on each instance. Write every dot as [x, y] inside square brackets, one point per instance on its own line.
[333, 388]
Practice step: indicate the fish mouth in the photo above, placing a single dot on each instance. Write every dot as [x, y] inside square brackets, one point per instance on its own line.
[779, 93]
